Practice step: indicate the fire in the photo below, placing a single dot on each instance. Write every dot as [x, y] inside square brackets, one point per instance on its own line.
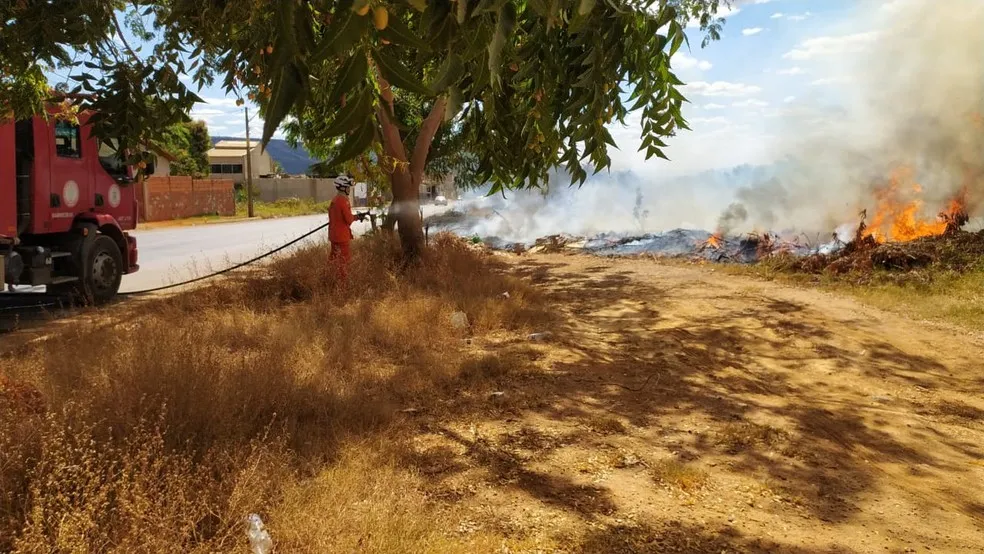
[898, 218]
[715, 241]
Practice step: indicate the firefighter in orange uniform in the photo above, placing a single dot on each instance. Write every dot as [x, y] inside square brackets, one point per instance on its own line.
[340, 221]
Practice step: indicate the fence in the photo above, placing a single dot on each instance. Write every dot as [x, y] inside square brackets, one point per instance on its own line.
[273, 189]
[179, 197]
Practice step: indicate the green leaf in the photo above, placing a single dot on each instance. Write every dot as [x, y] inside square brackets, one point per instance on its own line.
[419, 5]
[488, 6]
[351, 117]
[352, 73]
[479, 42]
[666, 14]
[540, 7]
[286, 93]
[449, 73]
[455, 100]
[678, 35]
[344, 31]
[397, 32]
[585, 7]
[462, 11]
[398, 75]
[356, 143]
[503, 30]
[481, 77]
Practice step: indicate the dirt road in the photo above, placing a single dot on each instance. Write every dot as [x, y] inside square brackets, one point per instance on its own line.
[677, 409]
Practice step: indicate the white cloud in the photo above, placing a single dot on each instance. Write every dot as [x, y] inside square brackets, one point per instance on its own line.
[719, 120]
[750, 103]
[713, 106]
[892, 6]
[762, 1]
[682, 60]
[721, 88]
[777, 15]
[799, 17]
[788, 99]
[199, 112]
[749, 31]
[828, 46]
[830, 81]
[796, 70]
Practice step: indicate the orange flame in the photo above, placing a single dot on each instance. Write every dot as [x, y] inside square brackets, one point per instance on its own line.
[715, 241]
[898, 219]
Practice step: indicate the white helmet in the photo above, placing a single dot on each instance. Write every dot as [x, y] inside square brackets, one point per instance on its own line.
[343, 182]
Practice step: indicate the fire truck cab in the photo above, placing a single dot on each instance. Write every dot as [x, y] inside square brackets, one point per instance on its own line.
[66, 204]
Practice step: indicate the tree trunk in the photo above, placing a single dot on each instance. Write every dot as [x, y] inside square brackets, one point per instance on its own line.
[407, 176]
[406, 212]
[389, 222]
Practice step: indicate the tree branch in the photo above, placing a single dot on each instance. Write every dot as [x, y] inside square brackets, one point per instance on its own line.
[426, 136]
[119, 32]
[392, 143]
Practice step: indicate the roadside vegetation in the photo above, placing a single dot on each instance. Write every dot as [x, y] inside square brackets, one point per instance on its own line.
[936, 278]
[284, 207]
[271, 392]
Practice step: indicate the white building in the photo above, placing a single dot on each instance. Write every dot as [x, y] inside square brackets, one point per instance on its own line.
[228, 160]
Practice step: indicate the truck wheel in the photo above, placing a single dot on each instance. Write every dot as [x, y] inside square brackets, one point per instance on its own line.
[102, 270]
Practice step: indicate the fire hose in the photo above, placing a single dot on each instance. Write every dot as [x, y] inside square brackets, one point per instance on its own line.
[181, 284]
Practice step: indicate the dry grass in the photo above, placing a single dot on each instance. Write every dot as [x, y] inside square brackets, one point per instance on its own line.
[273, 392]
[936, 292]
[674, 473]
[738, 437]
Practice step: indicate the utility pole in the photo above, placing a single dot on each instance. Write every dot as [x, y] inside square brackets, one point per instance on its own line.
[249, 170]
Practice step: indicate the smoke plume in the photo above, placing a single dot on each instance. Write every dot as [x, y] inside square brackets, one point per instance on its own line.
[914, 98]
[910, 84]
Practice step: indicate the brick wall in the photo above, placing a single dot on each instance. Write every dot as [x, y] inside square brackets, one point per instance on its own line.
[179, 197]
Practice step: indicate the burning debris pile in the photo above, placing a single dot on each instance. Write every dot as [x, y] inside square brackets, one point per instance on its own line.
[897, 238]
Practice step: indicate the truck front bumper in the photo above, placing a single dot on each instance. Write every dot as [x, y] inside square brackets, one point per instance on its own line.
[131, 253]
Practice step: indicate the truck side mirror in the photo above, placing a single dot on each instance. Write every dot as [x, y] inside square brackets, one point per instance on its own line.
[151, 166]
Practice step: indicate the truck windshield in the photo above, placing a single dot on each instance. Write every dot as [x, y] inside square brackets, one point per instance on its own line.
[109, 159]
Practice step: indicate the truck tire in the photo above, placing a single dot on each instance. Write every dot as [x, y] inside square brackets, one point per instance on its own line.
[102, 270]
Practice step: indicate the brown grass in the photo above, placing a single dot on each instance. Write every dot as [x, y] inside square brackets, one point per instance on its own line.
[273, 392]
[680, 475]
[738, 437]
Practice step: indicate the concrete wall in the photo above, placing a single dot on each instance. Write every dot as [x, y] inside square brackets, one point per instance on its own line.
[179, 197]
[273, 189]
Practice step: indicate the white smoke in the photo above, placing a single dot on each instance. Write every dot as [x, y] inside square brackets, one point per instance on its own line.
[910, 79]
[911, 94]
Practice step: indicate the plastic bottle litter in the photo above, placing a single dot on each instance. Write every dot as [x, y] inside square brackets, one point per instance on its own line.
[540, 336]
[259, 540]
[459, 320]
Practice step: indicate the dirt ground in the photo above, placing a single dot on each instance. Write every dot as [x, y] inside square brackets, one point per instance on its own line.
[676, 409]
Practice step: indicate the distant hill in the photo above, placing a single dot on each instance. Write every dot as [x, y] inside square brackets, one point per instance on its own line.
[295, 161]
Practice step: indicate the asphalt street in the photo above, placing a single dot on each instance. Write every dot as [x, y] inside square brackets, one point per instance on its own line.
[175, 254]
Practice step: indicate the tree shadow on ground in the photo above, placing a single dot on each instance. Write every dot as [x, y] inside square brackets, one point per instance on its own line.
[627, 360]
[684, 538]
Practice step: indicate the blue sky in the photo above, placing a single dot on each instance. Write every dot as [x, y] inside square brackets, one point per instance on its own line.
[775, 68]
[779, 64]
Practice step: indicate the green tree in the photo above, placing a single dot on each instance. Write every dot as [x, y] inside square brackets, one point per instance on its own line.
[525, 85]
[189, 142]
[199, 143]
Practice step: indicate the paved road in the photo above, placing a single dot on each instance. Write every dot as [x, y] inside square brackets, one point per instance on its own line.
[176, 254]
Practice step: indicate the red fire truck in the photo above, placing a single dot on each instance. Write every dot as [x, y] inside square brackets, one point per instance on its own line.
[66, 204]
